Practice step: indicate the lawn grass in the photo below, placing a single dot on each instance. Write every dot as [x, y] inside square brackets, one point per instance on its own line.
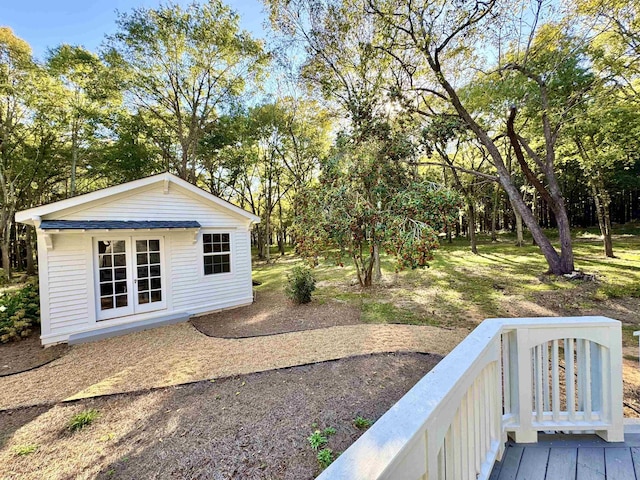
[460, 289]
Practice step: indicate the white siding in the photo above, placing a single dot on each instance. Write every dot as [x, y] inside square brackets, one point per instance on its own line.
[68, 303]
[69, 285]
[152, 203]
[191, 290]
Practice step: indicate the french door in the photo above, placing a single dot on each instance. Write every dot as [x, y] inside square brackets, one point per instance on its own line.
[129, 275]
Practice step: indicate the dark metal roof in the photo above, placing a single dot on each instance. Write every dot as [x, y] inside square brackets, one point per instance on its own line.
[115, 224]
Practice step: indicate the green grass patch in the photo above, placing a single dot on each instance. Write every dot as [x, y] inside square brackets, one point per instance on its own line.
[25, 449]
[82, 419]
[379, 312]
[460, 288]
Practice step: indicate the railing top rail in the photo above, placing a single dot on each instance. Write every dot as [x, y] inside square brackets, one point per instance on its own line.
[394, 433]
[547, 322]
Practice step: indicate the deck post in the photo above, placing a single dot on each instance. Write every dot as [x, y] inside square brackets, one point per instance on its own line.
[524, 432]
[611, 383]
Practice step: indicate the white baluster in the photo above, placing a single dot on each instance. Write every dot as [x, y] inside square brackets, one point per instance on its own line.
[555, 381]
[570, 378]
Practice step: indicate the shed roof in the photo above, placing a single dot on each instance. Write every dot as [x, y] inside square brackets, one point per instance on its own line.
[115, 225]
[32, 215]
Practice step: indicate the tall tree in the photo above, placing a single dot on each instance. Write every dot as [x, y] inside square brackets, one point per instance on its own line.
[436, 46]
[183, 66]
[87, 90]
[17, 84]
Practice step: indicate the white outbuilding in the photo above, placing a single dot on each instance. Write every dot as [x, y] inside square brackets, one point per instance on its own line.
[146, 253]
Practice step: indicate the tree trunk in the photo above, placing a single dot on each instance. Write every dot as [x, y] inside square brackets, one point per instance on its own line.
[494, 214]
[556, 265]
[519, 233]
[281, 233]
[31, 269]
[17, 250]
[471, 211]
[604, 219]
[6, 260]
[377, 271]
[74, 161]
[267, 237]
[260, 240]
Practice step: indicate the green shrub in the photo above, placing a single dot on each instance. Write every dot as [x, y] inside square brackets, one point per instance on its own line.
[19, 312]
[317, 439]
[82, 419]
[362, 423]
[325, 457]
[300, 284]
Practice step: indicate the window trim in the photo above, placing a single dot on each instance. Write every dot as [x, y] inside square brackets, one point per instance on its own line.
[231, 253]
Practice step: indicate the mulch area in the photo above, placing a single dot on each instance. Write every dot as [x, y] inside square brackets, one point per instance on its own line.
[27, 354]
[273, 314]
[245, 427]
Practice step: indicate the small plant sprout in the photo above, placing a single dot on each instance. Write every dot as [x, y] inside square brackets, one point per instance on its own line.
[362, 423]
[26, 449]
[82, 419]
[327, 432]
[317, 440]
[325, 457]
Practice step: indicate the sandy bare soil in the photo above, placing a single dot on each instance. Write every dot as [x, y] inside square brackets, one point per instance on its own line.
[272, 314]
[247, 427]
[26, 354]
[179, 354]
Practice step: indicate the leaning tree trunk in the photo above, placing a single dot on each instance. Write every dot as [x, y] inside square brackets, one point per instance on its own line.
[556, 266]
[519, 233]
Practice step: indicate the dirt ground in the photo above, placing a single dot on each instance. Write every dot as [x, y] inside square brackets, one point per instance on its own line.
[247, 427]
[26, 354]
[273, 314]
[179, 354]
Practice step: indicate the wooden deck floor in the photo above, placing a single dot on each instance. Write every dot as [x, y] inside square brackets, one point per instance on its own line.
[569, 457]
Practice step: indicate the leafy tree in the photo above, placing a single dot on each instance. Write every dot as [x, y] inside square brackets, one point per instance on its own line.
[182, 67]
[615, 47]
[605, 141]
[436, 46]
[87, 91]
[30, 129]
[342, 216]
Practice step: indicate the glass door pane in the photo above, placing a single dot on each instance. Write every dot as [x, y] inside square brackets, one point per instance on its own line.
[113, 279]
[149, 295]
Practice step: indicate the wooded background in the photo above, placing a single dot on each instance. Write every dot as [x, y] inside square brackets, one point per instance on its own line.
[339, 130]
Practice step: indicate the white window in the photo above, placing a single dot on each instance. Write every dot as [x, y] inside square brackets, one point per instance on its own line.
[217, 253]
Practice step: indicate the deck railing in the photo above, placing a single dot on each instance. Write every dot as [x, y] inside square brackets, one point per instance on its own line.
[509, 376]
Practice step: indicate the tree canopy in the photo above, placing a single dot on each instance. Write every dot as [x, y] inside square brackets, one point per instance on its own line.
[357, 128]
